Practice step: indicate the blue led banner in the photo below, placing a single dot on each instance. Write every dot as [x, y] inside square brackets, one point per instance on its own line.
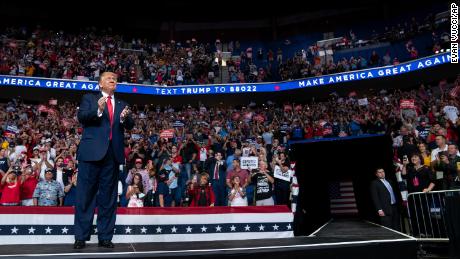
[379, 72]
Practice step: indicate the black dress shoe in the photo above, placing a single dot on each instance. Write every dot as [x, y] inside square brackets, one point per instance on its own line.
[79, 244]
[106, 244]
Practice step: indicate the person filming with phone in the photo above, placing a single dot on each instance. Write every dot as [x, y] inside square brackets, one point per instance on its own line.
[449, 164]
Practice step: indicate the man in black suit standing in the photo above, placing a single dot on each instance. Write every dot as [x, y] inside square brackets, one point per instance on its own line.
[217, 173]
[385, 201]
[100, 153]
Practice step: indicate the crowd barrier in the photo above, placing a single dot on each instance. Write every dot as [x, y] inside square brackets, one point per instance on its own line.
[432, 214]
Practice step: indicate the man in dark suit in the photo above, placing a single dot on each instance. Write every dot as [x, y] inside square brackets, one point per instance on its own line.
[217, 175]
[385, 201]
[100, 153]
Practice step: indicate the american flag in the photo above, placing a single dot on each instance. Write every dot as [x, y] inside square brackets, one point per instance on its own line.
[342, 198]
[455, 91]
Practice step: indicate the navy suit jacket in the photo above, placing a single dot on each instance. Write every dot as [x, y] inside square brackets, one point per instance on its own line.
[381, 197]
[96, 130]
[222, 171]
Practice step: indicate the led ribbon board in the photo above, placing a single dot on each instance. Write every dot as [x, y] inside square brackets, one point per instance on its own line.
[319, 81]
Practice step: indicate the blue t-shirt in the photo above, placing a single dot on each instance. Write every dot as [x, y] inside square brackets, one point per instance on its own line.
[297, 133]
[4, 164]
[423, 132]
[355, 127]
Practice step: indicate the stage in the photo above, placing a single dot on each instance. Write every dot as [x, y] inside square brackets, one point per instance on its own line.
[336, 239]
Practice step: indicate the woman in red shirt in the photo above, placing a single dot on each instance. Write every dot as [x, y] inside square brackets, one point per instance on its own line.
[201, 194]
[29, 182]
[11, 189]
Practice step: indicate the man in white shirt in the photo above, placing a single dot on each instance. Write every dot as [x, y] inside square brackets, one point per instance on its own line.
[267, 136]
[397, 141]
[60, 175]
[51, 152]
[442, 146]
[441, 142]
[44, 163]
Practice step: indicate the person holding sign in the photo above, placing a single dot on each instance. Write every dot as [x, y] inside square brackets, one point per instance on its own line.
[448, 167]
[263, 181]
[250, 163]
[282, 176]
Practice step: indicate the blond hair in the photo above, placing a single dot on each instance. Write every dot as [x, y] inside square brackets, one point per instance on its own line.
[104, 74]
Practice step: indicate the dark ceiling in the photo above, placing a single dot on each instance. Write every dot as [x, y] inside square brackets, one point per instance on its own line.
[181, 10]
[139, 17]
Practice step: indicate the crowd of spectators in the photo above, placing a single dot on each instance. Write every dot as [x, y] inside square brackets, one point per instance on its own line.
[307, 63]
[38, 160]
[57, 54]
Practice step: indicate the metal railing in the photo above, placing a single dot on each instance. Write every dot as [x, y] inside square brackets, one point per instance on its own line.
[427, 214]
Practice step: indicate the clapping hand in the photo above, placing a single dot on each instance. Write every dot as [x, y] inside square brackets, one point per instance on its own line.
[125, 113]
[101, 103]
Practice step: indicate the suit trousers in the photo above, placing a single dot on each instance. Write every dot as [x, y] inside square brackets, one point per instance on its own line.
[220, 192]
[392, 221]
[96, 186]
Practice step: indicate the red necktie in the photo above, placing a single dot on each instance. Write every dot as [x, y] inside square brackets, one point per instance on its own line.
[216, 172]
[110, 108]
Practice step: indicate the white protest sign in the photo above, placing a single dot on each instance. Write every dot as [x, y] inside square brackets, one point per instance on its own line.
[251, 162]
[363, 102]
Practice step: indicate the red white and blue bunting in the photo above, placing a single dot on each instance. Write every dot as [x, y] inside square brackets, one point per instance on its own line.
[42, 225]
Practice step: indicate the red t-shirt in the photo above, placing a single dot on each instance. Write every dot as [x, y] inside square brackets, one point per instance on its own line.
[308, 132]
[318, 132]
[431, 138]
[11, 192]
[28, 187]
[177, 159]
[127, 151]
